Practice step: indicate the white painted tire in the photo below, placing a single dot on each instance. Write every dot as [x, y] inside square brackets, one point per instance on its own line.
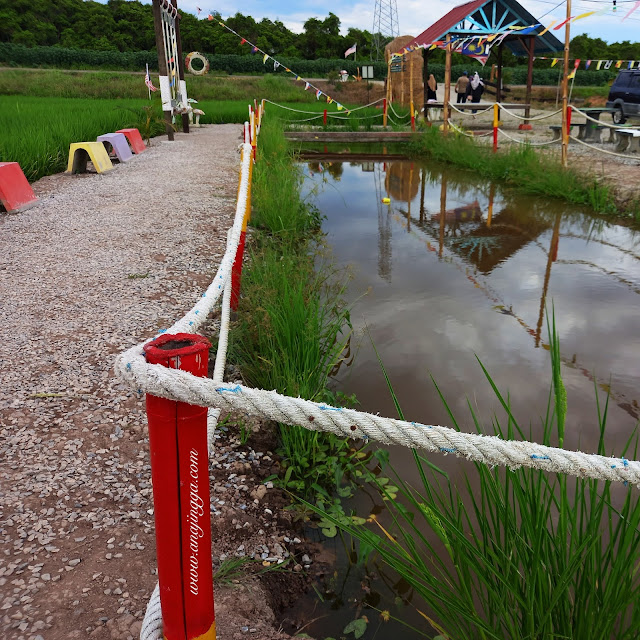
[194, 55]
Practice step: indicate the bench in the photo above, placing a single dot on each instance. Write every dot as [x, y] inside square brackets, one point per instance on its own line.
[628, 140]
[557, 131]
[589, 131]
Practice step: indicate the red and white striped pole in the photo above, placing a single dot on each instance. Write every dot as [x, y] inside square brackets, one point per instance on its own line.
[180, 475]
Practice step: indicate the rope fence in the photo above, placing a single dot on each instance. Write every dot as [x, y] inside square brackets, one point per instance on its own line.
[174, 384]
[531, 118]
[132, 367]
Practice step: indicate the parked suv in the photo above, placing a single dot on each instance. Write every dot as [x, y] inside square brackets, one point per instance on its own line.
[624, 96]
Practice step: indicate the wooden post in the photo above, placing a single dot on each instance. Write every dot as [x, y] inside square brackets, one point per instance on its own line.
[162, 61]
[443, 208]
[499, 76]
[425, 77]
[185, 116]
[402, 74]
[413, 116]
[388, 99]
[532, 49]
[492, 195]
[447, 88]
[565, 88]
[422, 194]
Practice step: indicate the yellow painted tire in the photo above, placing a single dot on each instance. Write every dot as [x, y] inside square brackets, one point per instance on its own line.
[194, 55]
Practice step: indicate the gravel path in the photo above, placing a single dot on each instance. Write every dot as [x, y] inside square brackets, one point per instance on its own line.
[102, 262]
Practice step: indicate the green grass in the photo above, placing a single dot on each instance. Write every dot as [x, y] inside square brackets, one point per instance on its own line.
[109, 85]
[37, 132]
[522, 167]
[293, 324]
[516, 555]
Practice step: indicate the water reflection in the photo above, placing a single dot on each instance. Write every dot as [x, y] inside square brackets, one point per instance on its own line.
[454, 268]
[518, 252]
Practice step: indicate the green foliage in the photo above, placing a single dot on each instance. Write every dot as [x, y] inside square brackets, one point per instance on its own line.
[293, 324]
[357, 627]
[523, 167]
[516, 554]
[125, 26]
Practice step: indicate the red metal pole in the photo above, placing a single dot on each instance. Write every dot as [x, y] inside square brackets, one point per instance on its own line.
[568, 120]
[180, 475]
[324, 118]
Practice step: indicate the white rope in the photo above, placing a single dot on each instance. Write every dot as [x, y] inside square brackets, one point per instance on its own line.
[466, 113]
[303, 119]
[337, 117]
[609, 153]
[348, 423]
[533, 144]
[152, 623]
[531, 119]
[364, 106]
[395, 113]
[459, 129]
[588, 117]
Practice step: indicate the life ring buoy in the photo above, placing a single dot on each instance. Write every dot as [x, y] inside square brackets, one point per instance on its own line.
[194, 55]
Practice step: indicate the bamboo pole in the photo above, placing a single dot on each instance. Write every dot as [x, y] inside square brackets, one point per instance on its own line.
[447, 88]
[565, 88]
[386, 111]
[413, 116]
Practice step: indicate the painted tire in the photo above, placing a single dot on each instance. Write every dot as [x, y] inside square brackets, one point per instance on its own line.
[194, 55]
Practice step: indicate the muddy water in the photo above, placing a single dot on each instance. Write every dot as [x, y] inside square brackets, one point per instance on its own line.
[453, 268]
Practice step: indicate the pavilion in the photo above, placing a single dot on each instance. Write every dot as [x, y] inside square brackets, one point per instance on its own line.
[477, 20]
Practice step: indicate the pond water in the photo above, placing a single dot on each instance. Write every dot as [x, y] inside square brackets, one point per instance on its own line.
[453, 268]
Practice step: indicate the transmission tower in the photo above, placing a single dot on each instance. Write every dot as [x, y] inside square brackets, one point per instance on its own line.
[385, 26]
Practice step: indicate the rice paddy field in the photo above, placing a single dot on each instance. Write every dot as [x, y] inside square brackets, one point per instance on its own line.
[43, 112]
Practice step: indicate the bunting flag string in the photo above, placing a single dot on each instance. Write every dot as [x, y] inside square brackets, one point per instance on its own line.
[457, 43]
[277, 64]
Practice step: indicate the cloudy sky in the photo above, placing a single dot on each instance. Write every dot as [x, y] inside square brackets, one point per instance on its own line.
[416, 15]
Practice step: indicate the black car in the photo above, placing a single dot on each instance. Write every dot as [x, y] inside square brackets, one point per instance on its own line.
[624, 96]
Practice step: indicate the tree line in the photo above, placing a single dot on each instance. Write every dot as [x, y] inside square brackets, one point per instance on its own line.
[127, 26]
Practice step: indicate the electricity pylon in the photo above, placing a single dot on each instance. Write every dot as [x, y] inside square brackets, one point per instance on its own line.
[385, 26]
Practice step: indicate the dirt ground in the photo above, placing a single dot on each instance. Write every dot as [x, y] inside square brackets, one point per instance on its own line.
[99, 264]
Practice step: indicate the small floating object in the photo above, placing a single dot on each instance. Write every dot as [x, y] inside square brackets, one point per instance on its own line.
[386, 200]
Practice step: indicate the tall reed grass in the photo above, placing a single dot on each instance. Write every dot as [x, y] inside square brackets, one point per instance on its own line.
[516, 554]
[528, 170]
[293, 325]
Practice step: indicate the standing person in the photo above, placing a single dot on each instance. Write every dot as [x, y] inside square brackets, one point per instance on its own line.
[432, 87]
[461, 87]
[475, 89]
